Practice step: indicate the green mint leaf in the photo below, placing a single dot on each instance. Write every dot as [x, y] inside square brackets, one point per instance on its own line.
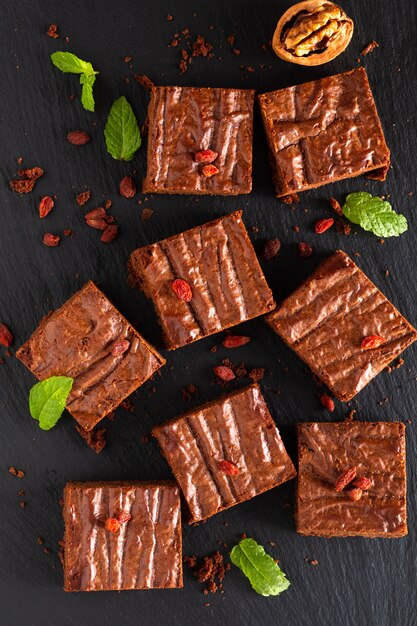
[87, 99]
[122, 131]
[264, 575]
[47, 400]
[374, 215]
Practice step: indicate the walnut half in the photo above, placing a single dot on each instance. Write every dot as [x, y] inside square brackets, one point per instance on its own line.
[312, 33]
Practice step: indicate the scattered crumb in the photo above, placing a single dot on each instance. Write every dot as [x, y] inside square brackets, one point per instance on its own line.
[146, 214]
[369, 48]
[189, 392]
[15, 472]
[314, 562]
[127, 405]
[95, 439]
[53, 31]
[257, 374]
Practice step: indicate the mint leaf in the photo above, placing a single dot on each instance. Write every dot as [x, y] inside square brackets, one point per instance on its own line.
[122, 131]
[47, 400]
[68, 62]
[374, 214]
[264, 575]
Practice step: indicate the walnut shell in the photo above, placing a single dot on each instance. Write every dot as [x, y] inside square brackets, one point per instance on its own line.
[312, 32]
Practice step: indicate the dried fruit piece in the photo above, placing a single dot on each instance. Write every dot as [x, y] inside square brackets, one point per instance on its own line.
[229, 468]
[271, 249]
[354, 494]
[327, 402]
[336, 206]
[112, 524]
[51, 240]
[345, 478]
[206, 156]
[323, 225]
[22, 186]
[224, 373]
[120, 347]
[362, 482]
[45, 206]
[32, 174]
[304, 249]
[109, 234]
[127, 187]
[372, 341]
[235, 341]
[210, 170]
[83, 197]
[182, 289]
[123, 517]
[312, 32]
[78, 137]
[6, 337]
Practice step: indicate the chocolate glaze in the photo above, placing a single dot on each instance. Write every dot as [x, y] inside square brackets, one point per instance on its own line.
[145, 553]
[237, 428]
[377, 449]
[185, 120]
[328, 316]
[77, 340]
[219, 263]
[323, 131]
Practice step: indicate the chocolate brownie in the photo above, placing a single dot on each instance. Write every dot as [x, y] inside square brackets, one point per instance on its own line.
[225, 452]
[90, 341]
[329, 319]
[374, 454]
[183, 122]
[223, 278]
[122, 535]
[323, 131]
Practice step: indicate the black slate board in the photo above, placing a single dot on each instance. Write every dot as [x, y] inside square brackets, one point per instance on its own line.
[360, 582]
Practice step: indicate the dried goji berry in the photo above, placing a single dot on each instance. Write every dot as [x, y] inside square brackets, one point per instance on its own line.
[127, 187]
[224, 373]
[229, 468]
[206, 156]
[51, 240]
[372, 341]
[78, 137]
[83, 197]
[235, 341]
[120, 347]
[362, 482]
[112, 524]
[345, 478]
[22, 186]
[336, 206]
[354, 494]
[327, 402]
[210, 170]
[109, 234]
[271, 249]
[45, 206]
[32, 174]
[304, 249]
[182, 289]
[123, 517]
[323, 225]
[6, 337]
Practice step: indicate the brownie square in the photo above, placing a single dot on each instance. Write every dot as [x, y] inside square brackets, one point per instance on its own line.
[218, 262]
[89, 340]
[323, 131]
[143, 551]
[328, 317]
[186, 120]
[327, 450]
[225, 452]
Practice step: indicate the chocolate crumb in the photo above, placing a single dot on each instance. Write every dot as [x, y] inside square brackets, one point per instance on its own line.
[40, 541]
[146, 214]
[350, 416]
[191, 561]
[15, 472]
[127, 405]
[53, 31]
[144, 80]
[370, 47]
[95, 439]
[314, 562]
[271, 249]
[257, 374]
[189, 392]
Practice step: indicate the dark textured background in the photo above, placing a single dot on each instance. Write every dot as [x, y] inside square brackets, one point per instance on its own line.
[357, 581]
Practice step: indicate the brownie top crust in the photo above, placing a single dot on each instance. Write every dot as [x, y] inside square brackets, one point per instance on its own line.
[144, 553]
[225, 452]
[326, 319]
[186, 120]
[82, 339]
[323, 131]
[377, 450]
[219, 263]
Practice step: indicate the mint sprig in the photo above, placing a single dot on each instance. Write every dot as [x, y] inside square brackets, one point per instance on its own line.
[68, 62]
[374, 214]
[47, 400]
[122, 131]
[264, 575]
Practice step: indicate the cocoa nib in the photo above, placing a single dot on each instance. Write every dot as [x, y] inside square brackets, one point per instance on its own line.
[271, 249]
[78, 137]
[95, 439]
[256, 374]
